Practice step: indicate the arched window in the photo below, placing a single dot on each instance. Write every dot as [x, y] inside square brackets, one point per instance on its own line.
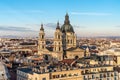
[46, 57]
[58, 36]
[55, 48]
[42, 46]
[71, 41]
[68, 40]
[59, 48]
[59, 43]
[42, 36]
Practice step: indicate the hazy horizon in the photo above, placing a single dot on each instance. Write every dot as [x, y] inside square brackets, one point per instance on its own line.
[88, 17]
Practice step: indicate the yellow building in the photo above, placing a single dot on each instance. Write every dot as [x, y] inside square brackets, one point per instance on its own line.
[83, 67]
[64, 42]
[105, 72]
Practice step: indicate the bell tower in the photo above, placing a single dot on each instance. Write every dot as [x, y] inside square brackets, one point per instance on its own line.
[41, 40]
[58, 39]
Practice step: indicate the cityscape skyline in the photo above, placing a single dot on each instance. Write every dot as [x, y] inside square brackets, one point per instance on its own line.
[59, 40]
[88, 17]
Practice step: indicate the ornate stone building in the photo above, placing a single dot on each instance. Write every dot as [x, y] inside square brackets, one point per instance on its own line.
[64, 45]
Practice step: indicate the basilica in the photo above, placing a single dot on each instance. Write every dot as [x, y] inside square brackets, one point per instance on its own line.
[64, 43]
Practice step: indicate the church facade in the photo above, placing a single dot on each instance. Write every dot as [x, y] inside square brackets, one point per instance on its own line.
[64, 42]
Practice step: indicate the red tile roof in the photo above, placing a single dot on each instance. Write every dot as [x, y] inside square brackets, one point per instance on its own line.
[68, 61]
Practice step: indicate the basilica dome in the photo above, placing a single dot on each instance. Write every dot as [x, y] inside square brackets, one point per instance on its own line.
[67, 27]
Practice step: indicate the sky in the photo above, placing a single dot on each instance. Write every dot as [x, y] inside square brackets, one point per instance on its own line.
[88, 17]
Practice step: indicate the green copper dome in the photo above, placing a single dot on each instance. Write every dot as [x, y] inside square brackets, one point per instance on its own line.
[67, 27]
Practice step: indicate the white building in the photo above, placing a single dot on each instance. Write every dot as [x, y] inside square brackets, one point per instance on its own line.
[4, 74]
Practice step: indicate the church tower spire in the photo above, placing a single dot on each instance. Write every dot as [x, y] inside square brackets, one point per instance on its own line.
[58, 27]
[42, 29]
[66, 19]
[41, 40]
[58, 39]
[58, 42]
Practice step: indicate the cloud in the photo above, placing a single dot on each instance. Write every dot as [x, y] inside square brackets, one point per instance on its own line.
[46, 26]
[51, 26]
[33, 29]
[91, 13]
[118, 26]
[13, 28]
[75, 26]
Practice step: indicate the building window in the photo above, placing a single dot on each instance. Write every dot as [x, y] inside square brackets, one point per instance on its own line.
[115, 78]
[68, 41]
[59, 48]
[42, 36]
[93, 76]
[101, 76]
[43, 78]
[71, 41]
[115, 73]
[59, 43]
[85, 77]
[108, 74]
[54, 76]
[42, 46]
[108, 79]
[82, 72]
[58, 36]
